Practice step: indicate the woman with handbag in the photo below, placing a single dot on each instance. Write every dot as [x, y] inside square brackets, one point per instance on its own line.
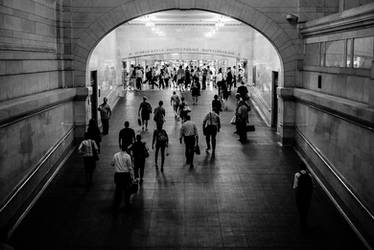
[139, 154]
[89, 151]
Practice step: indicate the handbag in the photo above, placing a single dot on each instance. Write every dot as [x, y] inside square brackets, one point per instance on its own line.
[139, 122]
[133, 186]
[197, 149]
[250, 128]
[94, 152]
[233, 120]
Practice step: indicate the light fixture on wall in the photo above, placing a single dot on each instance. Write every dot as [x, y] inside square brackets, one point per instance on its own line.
[292, 18]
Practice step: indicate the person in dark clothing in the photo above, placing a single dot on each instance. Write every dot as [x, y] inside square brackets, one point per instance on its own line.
[139, 154]
[126, 137]
[145, 109]
[187, 78]
[159, 115]
[205, 74]
[241, 121]
[229, 79]
[94, 132]
[105, 113]
[243, 91]
[303, 186]
[161, 139]
[216, 105]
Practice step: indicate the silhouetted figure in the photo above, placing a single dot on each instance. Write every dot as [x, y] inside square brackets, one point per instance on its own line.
[88, 149]
[159, 115]
[144, 112]
[105, 114]
[94, 132]
[126, 137]
[303, 186]
[139, 154]
[216, 105]
[161, 139]
[241, 121]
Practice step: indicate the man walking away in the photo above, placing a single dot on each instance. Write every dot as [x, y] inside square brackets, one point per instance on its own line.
[303, 186]
[105, 114]
[211, 126]
[189, 133]
[88, 149]
[161, 139]
[175, 101]
[123, 175]
[126, 137]
[241, 121]
[144, 112]
[139, 153]
[159, 115]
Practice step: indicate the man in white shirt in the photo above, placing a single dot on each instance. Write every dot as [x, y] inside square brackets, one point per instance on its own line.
[123, 174]
[189, 133]
[211, 125]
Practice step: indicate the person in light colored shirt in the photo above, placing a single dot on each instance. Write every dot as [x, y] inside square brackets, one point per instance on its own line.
[88, 149]
[123, 175]
[211, 126]
[189, 133]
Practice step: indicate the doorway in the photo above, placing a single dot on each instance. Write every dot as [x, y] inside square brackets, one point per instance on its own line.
[94, 96]
[274, 103]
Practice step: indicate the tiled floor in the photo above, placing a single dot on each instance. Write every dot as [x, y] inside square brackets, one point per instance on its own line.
[242, 198]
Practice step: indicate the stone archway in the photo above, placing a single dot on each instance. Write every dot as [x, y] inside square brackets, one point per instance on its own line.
[286, 46]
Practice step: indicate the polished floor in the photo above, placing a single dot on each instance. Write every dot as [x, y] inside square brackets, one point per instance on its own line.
[242, 198]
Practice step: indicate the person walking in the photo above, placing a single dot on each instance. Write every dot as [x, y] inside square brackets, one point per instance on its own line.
[89, 151]
[159, 115]
[229, 78]
[126, 137]
[241, 121]
[175, 101]
[144, 112]
[94, 132]
[161, 140]
[105, 114]
[189, 132]
[243, 91]
[139, 154]
[204, 79]
[211, 126]
[216, 105]
[139, 78]
[219, 81]
[195, 91]
[303, 186]
[123, 176]
[187, 78]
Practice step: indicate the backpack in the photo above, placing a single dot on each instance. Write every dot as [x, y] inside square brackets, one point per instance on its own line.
[162, 137]
[305, 183]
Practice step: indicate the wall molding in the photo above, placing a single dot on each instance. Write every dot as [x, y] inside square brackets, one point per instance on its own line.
[353, 112]
[358, 216]
[344, 21]
[21, 108]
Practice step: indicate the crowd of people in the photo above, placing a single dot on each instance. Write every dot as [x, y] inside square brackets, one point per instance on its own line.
[129, 162]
